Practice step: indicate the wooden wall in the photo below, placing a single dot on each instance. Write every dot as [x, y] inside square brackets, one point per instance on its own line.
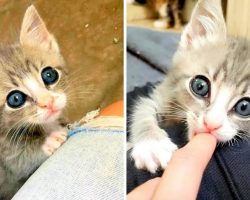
[238, 18]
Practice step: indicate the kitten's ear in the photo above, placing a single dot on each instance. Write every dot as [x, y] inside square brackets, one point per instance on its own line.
[207, 24]
[34, 32]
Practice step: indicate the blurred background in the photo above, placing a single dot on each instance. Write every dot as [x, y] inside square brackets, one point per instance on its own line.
[236, 14]
[90, 35]
[141, 15]
[150, 49]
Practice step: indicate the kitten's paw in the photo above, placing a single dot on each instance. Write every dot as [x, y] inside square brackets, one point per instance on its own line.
[54, 141]
[153, 154]
[161, 23]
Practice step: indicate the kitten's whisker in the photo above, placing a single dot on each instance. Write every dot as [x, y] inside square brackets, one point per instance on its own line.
[18, 125]
[18, 132]
[178, 105]
[21, 135]
[14, 125]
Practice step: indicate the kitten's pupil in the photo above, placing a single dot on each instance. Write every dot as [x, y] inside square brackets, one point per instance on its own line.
[200, 86]
[49, 75]
[16, 99]
[243, 107]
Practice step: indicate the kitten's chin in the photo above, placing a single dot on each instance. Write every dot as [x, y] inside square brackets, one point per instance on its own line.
[221, 137]
[224, 137]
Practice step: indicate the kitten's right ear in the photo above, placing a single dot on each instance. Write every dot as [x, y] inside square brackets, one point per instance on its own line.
[206, 25]
[34, 32]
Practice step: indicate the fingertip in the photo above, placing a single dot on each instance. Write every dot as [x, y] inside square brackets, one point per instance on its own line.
[203, 140]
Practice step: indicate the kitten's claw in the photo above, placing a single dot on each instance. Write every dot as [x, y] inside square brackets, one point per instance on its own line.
[54, 141]
[152, 154]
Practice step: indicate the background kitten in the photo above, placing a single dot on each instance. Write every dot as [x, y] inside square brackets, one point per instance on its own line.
[207, 88]
[169, 11]
[33, 84]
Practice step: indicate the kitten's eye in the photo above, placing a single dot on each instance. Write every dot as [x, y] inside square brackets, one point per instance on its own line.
[16, 99]
[200, 86]
[49, 75]
[242, 108]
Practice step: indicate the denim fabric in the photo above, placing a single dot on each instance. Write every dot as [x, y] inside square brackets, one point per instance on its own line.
[149, 55]
[88, 166]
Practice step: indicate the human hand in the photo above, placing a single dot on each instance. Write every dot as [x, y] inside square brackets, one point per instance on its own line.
[182, 177]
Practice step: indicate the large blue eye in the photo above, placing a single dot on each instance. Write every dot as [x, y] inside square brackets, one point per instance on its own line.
[49, 75]
[242, 107]
[200, 86]
[16, 99]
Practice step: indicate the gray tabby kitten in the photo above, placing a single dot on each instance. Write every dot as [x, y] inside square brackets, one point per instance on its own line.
[207, 88]
[33, 78]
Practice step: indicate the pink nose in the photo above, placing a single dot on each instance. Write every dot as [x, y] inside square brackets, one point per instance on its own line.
[46, 102]
[211, 125]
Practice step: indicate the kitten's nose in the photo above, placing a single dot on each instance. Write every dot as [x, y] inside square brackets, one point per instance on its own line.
[212, 124]
[46, 102]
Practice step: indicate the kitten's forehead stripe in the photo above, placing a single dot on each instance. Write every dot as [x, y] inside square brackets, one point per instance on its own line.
[225, 69]
[13, 81]
[216, 73]
[31, 64]
[27, 64]
[244, 79]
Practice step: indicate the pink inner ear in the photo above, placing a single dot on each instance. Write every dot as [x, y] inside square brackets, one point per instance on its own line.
[34, 24]
[38, 28]
[201, 30]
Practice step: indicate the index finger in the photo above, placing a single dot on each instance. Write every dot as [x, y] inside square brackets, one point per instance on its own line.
[181, 179]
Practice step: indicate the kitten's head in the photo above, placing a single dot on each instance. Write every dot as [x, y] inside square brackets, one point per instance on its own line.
[211, 75]
[32, 75]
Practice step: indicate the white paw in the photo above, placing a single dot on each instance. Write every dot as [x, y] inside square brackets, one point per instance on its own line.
[161, 23]
[153, 154]
[54, 141]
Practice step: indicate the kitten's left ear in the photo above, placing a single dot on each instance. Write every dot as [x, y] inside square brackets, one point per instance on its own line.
[34, 32]
[206, 25]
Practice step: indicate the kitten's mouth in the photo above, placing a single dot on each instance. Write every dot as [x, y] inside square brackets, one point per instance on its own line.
[197, 133]
[52, 113]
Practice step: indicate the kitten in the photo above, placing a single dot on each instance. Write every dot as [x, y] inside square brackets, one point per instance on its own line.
[207, 88]
[33, 78]
[169, 12]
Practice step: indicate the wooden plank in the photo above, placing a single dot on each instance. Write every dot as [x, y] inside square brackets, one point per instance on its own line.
[238, 18]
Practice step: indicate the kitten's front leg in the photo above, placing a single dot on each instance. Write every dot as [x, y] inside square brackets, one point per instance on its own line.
[177, 14]
[152, 147]
[162, 23]
[164, 20]
[54, 140]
